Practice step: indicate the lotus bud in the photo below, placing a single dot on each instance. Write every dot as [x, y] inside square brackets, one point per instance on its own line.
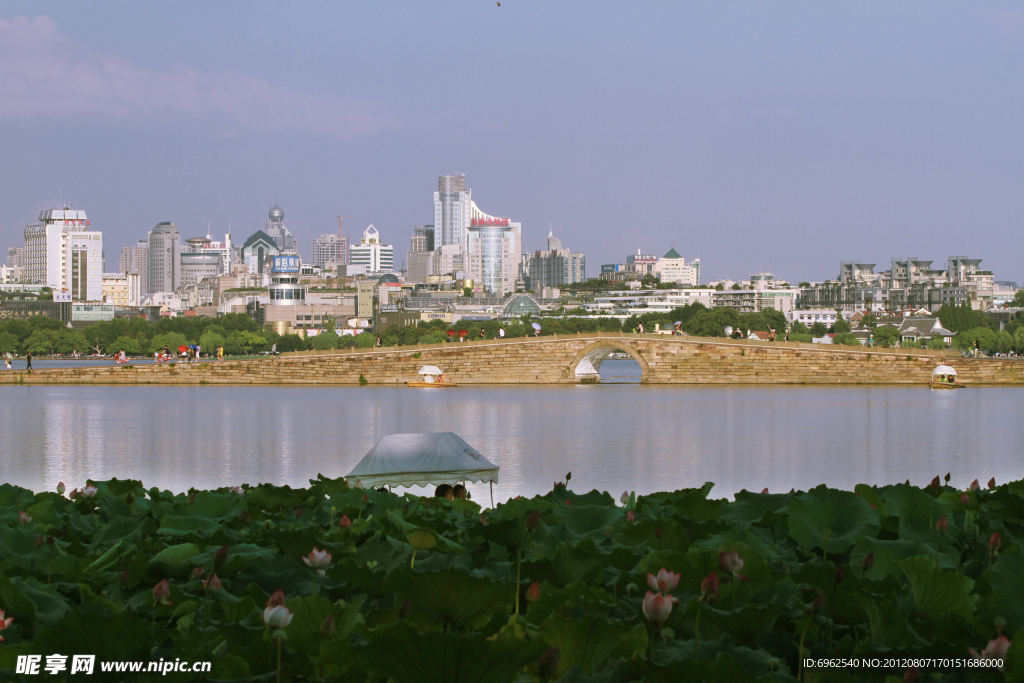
[358, 484]
[276, 599]
[161, 592]
[24, 517]
[935, 482]
[298, 513]
[548, 664]
[191, 499]
[709, 587]
[568, 476]
[657, 532]
[277, 617]
[942, 525]
[40, 542]
[664, 582]
[533, 592]
[328, 627]
[657, 607]
[764, 490]
[793, 490]
[239, 490]
[318, 559]
[244, 517]
[4, 623]
[129, 499]
[907, 482]
[344, 522]
[868, 563]
[213, 583]
[992, 483]
[483, 520]
[125, 575]
[911, 675]
[404, 608]
[818, 606]
[624, 498]
[533, 521]
[975, 485]
[947, 477]
[366, 497]
[840, 574]
[965, 499]
[198, 572]
[994, 542]
[220, 557]
[730, 562]
[630, 517]
[61, 488]
[568, 502]
[996, 649]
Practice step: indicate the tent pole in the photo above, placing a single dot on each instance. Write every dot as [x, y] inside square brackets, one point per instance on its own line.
[492, 494]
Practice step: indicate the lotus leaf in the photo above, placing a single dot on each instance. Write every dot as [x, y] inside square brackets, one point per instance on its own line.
[830, 519]
[935, 593]
[451, 595]
[1007, 580]
[918, 512]
[589, 641]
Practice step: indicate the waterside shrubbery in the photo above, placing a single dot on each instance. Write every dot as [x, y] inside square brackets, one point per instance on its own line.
[335, 582]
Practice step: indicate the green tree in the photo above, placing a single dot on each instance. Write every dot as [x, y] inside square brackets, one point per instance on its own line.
[130, 346]
[841, 326]
[290, 342]
[846, 339]
[365, 340]
[41, 342]
[170, 340]
[985, 337]
[936, 343]
[8, 343]
[962, 318]
[324, 341]
[1018, 299]
[209, 342]
[886, 336]
[798, 328]
[776, 319]
[818, 329]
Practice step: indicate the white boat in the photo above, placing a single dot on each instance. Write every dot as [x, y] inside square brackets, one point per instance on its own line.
[433, 377]
[944, 377]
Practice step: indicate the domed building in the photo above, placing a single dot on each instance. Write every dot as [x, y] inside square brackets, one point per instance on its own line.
[276, 230]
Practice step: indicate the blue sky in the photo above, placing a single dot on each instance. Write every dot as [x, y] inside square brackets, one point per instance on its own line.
[758, 136]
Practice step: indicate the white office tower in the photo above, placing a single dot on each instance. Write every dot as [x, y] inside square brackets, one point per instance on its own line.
[164, 258]
[452, 210]
[135, 260]
[376, 257]
[64, 254]
[493, 252]
[326, 249]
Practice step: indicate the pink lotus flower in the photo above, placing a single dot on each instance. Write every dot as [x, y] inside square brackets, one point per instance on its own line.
[318, 560]
[975, 485]
[4, 623]
[995, 541]
[60, 488]
[942, 525]
[730, 562]
[533, 592]
[213, 583]
[276, 599]
[764, 490]
[657, 607]
[624, 498]
[24, 517]
[277, 617]
[197, 572]
[344, 522]
[965, 499]
[358, 484]
[88, 491]
[709, 587]
[161, 592]
[996, 649]
[630, 517]
[239, 490]
[483, 520]
[664, 582]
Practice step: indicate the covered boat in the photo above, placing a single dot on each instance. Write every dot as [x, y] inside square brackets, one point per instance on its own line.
[944, 377]
[423, 459]
[431, 376]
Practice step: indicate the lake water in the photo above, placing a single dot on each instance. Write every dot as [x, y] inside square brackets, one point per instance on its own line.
[612, 437]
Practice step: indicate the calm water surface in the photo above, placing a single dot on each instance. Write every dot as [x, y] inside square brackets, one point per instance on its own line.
[613, 438]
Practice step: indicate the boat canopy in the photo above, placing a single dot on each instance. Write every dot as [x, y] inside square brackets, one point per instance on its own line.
[430, 370]
[944, 370]
[423, 459]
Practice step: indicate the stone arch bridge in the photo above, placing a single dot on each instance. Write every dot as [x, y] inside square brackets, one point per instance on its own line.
[560, 359]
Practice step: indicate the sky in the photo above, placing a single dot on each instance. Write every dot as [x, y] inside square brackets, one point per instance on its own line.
[782, 137]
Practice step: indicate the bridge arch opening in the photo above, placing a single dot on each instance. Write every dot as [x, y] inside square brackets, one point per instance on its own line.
[586, 366]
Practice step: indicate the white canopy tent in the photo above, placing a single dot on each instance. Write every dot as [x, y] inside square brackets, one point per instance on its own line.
[944, 370]
[422, 460]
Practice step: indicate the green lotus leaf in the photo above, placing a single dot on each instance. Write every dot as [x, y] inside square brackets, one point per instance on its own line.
[886, 553]
[200, 527]
[745, 623]
[935, 593]
[887, 625]
[870, 496]
[405, 655]
[750, 507]
[15, 497]
[1006, 576]
[567, 564]
[593, 600]
[14, 602]
[174, 561]
[368, 580]
[240, 556]
[421, 539]
[279, 572]
[215, 506]
[918, 512]
[119, 637]
[276, 498]
[309, 614]
[830, 519]
[451, 595]
[589, 641]
[590, 520]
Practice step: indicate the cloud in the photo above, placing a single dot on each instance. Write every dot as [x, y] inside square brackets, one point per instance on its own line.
[45, 75]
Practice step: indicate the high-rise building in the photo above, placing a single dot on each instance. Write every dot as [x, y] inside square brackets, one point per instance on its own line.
[62, 253]
[326, 249]
[555, 267]
[198, 262]
[257, 252]
[14, 257]
[493, 252]
[420, 257]
[672, 268]
[135, 260]
[164, 257]
[376, 257]
[286, 243]
[452, 203]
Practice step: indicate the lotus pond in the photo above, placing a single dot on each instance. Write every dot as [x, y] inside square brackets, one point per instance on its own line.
[341, 583]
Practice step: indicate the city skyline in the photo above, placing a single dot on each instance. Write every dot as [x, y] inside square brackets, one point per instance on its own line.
[814, 137]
